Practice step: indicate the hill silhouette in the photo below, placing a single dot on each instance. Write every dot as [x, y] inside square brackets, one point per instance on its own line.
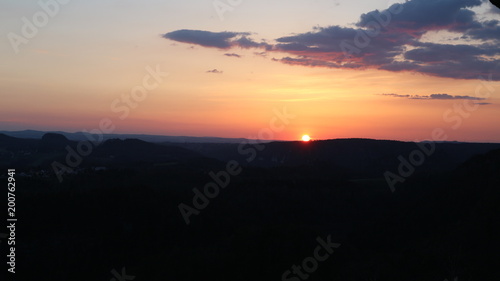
[348, 158]
[357, 157]
[79, 136]
[41, 153]
[439, 224]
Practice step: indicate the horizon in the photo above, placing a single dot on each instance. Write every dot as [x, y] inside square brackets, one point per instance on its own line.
[136, 135]
[384, 70]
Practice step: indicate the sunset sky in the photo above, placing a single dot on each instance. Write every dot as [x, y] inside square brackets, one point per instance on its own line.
[412, 68]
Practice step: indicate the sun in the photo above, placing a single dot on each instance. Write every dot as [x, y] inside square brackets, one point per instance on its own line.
[306, 138]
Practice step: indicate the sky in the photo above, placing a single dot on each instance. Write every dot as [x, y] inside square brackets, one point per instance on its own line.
[376, 69]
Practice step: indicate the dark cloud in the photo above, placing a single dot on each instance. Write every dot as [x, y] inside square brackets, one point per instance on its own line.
[424, 15]
[389, 40]
[434, 97]
[433, 53]
[232, 55]
[245, 42]
[489, 31]
[450, 97]
[221, 40]
[216, 71]
[203, 38]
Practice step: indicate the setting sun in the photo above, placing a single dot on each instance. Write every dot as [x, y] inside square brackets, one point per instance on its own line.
[306, 138]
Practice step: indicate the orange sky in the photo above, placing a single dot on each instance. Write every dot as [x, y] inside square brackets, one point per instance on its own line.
[67, 79]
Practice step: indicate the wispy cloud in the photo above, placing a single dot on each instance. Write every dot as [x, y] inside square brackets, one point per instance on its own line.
[261, 54]
[435, 97]
[232, 55]
[396, 95]
[216, 71]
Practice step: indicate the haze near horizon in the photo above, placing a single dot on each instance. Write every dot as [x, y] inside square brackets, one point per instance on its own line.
[254, 69]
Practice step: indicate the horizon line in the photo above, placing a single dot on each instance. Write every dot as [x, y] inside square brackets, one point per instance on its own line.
[242, 138]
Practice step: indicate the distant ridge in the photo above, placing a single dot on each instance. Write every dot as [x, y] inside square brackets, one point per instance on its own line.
[346, 158]
[33, 134]
[54, 137]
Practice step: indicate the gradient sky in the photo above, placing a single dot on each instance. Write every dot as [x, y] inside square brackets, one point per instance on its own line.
[229, 71]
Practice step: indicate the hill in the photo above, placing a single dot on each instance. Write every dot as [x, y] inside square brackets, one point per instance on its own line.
[79, 136]
[354, 157]
[435, 226]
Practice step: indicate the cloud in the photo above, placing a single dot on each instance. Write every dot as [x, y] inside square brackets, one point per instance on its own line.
[435, 97]
[203, 38]
[305, 62]
[424, 15]
[450, 97]
[232, 55]
[262, 54]
[396, 95]
[494, 10]
[215, 71]
[489, 30]
[221, 40]
[495, 6]
[389, 39]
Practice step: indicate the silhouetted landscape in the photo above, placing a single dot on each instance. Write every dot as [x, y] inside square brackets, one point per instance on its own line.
[325, 140]
[120, 208]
